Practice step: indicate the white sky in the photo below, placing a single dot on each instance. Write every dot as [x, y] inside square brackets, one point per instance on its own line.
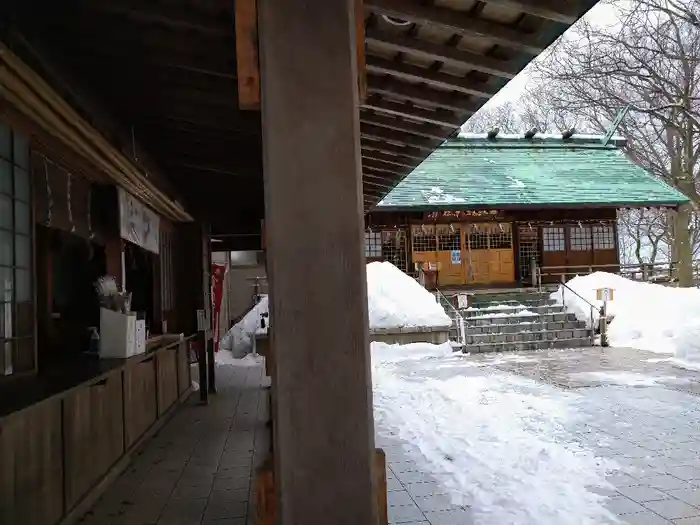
[602, 14]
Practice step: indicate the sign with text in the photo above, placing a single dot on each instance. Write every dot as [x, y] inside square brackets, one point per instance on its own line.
[138, 224]
[456, 257]
[461, 214]
[605, 294]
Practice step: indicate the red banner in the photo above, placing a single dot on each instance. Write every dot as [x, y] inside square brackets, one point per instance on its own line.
[218, 272]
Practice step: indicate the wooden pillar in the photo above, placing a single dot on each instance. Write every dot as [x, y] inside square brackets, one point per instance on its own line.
[323, 424]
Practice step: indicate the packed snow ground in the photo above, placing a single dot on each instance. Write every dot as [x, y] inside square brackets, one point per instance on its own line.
[501, 443]
[646, 316]
[396, 300]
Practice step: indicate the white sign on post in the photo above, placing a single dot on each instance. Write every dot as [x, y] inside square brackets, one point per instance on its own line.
[605, 294]
[138, 224]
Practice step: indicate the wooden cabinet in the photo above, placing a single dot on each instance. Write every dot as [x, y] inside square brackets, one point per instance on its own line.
[93, 429]
[140, 402]
[184, 378]
[31, 466]
[166, 367]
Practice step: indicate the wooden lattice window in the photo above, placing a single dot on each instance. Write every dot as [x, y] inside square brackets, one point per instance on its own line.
[394, 248]
[449, 238]
[423, 238]
[373, 244]
[501, 237]
[16, 258]
[580, 238]
[478, 237]
[553, 239]
[603, 238]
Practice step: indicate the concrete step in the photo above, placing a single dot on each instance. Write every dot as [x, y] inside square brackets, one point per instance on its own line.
[485, 320]
[526, 326]
[532, 345]
[504, 310]
[535, 301]
[528, 337]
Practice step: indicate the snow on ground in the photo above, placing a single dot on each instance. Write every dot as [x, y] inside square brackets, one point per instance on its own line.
[518, 313]
[396, 300]
[239, 339]
[225, 358]
[499, 441]
[646, 316]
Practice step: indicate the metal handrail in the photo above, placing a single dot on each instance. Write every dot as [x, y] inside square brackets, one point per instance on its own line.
[461, 324]
[563, 299]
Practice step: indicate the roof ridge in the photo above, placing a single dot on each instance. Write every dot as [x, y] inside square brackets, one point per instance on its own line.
[539, 139]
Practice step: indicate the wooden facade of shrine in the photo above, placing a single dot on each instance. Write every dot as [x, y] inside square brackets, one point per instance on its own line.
[477, 248]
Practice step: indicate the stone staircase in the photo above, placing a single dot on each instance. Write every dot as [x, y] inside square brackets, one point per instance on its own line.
[518, 321]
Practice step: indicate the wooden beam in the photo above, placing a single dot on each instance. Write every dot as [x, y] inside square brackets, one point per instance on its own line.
[442, 53]
[323, 425]
[248, 70]
[368, 130]
[439, 117]
[394, 160]
[422, 94]
[360, 50]
[380, 144]
[556, 10]
[430, 77]
[430, 131]
[377, 187]
[381, 176]
[457, 22]
[383, 166]
[172, 17]
[212, 170]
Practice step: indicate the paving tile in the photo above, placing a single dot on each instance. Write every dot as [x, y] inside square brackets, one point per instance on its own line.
[666, 482]
[644, 518]
[685, 472]
[687, 521]
[690, 496]
[622, 505]
[425, 489]
[642, 493]
[672, 509]
[405, 514]
[450, 517]
[398, 498]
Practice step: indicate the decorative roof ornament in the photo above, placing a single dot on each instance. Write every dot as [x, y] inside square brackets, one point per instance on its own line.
[529, 134]
[492, 134]
[566, 135]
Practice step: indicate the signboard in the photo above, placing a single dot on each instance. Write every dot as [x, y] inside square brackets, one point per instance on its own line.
[138, 224]
[462, 301]
[461, 214]
[605, 294]
[456, 256]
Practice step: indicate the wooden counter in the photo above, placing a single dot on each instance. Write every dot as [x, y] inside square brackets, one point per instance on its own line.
[63, 432]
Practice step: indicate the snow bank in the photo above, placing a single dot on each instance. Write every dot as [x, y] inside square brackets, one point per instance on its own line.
[385, 353]
[396, 300]
[646, 316]
[493, 441]
[239, 339]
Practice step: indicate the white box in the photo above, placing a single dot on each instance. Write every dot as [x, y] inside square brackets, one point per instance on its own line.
[140, 337]
[117, 334]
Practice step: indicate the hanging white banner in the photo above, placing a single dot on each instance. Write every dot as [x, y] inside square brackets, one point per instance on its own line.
[138, 224]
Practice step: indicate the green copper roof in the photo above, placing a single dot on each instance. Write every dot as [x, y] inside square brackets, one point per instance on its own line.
[510, 171]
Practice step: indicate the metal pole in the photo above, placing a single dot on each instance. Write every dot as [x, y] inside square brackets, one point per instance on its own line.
[533, 271]
[604, 324]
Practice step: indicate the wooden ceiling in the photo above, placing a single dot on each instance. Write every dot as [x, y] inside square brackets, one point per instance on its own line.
[166, 70]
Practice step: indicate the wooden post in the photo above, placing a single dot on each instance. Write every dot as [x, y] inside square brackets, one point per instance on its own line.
[323, 424]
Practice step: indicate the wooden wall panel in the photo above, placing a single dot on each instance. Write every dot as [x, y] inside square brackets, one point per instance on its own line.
[184, 379]
[140, 401]
[94, 434]
[31, 469]
[167, 369]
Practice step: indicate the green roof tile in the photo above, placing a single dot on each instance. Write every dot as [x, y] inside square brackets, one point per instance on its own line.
[472, 171]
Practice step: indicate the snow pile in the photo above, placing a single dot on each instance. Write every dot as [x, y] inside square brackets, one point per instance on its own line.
[225, 358]
[396, 300]
[239, 339]
[493, 441]
[385, 353]
[646, 316]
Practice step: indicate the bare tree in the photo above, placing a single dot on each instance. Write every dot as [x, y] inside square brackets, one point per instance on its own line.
[504, 116]
[651, 62]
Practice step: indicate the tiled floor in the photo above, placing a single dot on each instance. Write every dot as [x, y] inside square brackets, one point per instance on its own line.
[197, 469]
[651, 430]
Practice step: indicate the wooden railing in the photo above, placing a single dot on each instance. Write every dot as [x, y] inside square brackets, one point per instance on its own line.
[646, 272]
